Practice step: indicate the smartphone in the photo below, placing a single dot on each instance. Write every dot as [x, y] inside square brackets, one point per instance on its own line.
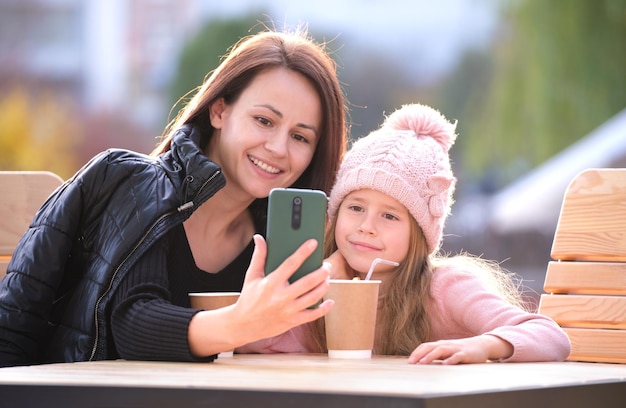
[294, 216]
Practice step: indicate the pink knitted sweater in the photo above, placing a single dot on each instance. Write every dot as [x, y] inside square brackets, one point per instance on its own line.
[462, 307]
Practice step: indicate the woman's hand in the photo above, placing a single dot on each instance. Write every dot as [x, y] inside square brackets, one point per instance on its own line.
[268, 305]
[478, 349]
[339, 268]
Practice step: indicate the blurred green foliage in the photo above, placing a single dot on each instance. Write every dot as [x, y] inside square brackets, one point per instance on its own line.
[556, 71]
[203, 53]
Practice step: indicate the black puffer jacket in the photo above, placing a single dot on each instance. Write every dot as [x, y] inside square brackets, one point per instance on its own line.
[83, 240]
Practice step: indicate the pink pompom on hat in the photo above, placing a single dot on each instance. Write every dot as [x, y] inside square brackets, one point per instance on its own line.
[407, 159]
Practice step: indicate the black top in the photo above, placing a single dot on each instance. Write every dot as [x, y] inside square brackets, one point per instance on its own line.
[150, 313]
[186, 277]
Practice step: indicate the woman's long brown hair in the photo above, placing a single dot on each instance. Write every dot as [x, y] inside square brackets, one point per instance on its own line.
[259, 52]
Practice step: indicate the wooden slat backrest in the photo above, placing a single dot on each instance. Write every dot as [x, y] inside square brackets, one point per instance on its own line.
[586, 281]
[586, 311]
[23, 192]
[608, 278]
[592, 223]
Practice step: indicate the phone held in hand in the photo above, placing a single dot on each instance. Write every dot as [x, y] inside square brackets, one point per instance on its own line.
[294, 216]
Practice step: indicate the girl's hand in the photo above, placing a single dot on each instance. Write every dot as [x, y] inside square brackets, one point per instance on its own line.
[339, 268]
[478, 349]
[268, 305]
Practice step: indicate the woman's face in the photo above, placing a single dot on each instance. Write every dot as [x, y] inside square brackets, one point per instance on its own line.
[268, 136]
[371, 225]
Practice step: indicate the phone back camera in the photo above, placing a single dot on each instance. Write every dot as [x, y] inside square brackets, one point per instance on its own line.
[296, 212]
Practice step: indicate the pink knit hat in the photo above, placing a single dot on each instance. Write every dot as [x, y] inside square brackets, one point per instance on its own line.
[407, 159]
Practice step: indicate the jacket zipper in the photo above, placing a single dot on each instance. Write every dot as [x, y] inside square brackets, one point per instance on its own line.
[137, 245]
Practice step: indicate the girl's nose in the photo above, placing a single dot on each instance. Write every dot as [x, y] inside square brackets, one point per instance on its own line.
[367, 226]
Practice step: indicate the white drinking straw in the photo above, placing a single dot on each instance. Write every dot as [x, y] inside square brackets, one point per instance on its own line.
[376, 262]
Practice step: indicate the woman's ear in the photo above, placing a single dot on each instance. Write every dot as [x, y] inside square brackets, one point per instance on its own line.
[216, 113]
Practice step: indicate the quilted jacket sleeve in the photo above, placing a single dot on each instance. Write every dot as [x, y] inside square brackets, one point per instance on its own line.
[36, 270]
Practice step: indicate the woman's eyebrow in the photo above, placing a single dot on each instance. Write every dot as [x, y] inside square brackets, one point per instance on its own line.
[270, 107]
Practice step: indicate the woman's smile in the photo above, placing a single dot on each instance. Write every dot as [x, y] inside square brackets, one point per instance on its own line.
[264, 166]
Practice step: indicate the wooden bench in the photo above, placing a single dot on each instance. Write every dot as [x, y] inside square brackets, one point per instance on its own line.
[23, 192]
[586, 282]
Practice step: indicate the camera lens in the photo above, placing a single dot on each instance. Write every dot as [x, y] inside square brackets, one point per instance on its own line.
[296, 212]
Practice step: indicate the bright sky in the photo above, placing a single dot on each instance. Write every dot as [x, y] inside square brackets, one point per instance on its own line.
[427, 34]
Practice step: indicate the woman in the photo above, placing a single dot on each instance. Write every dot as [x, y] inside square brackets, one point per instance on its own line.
[106, 266]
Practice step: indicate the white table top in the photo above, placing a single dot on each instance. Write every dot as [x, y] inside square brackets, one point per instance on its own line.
[317, 374]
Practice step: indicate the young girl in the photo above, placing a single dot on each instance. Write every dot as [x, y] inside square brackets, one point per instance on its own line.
[390, 201]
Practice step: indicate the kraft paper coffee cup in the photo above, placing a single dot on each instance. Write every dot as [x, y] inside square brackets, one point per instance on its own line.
[212, 301]
[351, 323]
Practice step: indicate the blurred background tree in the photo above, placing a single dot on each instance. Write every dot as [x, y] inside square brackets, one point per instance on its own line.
[38, 132]
[203, 53]
[556, 71]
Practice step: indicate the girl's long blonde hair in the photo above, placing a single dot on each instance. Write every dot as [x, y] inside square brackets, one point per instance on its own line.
[402, 320]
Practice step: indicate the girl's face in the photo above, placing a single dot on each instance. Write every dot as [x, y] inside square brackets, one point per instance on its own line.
[371, 225]
[268, 136]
